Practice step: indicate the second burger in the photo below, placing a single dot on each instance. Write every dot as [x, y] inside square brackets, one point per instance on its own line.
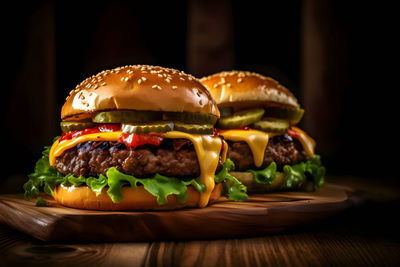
[258, 118]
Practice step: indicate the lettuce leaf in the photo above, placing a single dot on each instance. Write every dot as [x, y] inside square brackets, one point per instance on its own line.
[159, 186]
[236, 190]
[46, 178]
[265, 176]
[295, 176]
[97, 184]
[40, 202]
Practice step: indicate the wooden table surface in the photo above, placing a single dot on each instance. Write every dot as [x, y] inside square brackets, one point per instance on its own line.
[366, 235]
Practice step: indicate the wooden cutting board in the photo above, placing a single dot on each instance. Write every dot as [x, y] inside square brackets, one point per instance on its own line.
[262, 214]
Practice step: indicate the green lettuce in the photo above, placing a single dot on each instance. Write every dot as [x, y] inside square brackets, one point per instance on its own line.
[295, 176]
[40, 202]
[265, 176]
[46, 178]
[236, 190]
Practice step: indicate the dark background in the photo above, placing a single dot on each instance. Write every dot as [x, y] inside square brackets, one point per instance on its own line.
[338, 57]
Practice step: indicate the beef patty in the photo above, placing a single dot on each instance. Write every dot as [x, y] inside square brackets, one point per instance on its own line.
[95, 158]
[281, 149]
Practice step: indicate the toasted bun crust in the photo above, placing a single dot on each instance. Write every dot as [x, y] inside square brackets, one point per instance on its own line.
[139, 87]
[238, 88]
[138, 198]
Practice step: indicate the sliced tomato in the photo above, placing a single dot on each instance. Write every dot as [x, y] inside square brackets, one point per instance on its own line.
[293, 134]
[134, 140]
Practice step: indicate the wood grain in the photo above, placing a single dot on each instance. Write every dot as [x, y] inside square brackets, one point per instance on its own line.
[299, 248]
[260, 215]
[296, 249]
[364, 236]
[17, 249]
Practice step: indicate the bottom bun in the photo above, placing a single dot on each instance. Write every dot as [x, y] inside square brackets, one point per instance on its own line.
[137, 198]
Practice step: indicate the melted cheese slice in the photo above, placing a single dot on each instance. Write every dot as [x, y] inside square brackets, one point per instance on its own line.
[58, 148]
[257, 141]
[306, 141]
[207, 148]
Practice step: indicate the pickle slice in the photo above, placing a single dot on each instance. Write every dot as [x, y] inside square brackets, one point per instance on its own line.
[271, 125]
[194, 128]
[68, 126]
[226, 111]
[150, 127]
[120, 116]
[293, 115]
[241, 118]
[189, 117]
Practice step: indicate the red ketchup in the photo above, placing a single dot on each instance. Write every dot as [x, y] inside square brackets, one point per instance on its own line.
[97, 129]
[130, 140]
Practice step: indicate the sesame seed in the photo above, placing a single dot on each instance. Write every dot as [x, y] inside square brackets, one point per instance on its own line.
[139, 81]
[156, 87]
[144, 78]
[239, 80]
[174, 86]
[168, 80]
[229, 85]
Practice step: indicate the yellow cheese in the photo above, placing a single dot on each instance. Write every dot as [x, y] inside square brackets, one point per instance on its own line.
[207, 148]
[306, 141]
[257, 141]
[59, 147]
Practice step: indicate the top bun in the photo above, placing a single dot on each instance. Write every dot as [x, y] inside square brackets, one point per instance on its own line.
[241, 88]
[139, 87]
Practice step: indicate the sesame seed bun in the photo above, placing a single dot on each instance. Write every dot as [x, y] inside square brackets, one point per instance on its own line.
[138, 87]
[243, 88]
[137, 198]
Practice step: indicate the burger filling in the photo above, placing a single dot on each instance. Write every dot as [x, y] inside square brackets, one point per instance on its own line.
[173, 157]
[104, 158]
[282, 149]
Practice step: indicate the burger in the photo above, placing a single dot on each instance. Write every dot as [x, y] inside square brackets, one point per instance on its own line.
[258, 118]
[136, 138]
